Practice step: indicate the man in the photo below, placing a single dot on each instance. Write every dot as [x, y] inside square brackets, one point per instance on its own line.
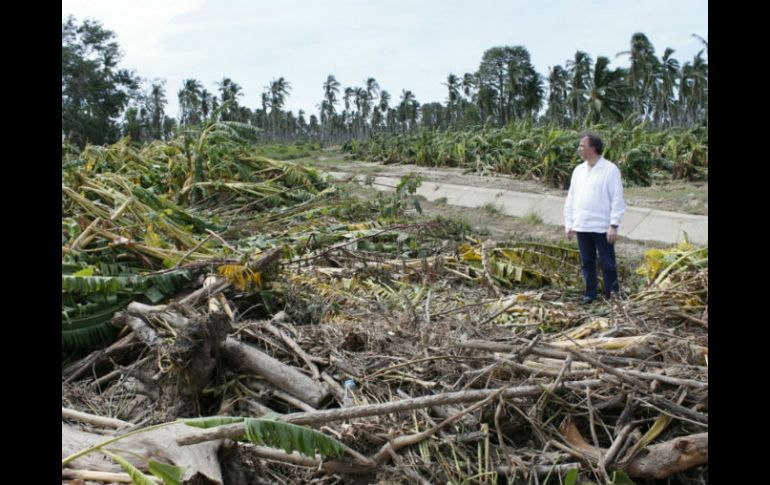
[593, 210]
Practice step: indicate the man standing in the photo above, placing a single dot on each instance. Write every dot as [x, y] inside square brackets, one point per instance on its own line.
[593, 210]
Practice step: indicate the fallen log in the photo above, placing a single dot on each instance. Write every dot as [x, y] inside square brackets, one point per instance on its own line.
[664, 459]
[280, 375]
[655, 461]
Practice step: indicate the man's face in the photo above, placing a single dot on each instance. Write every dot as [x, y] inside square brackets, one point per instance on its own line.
[585, 150]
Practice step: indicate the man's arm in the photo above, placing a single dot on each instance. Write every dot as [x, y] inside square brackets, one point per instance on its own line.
[568, 205]
[617, 205]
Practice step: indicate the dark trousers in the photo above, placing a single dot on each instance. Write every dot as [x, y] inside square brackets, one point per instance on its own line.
[588, 244]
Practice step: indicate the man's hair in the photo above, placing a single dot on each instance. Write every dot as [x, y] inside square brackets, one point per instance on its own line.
[594, 140]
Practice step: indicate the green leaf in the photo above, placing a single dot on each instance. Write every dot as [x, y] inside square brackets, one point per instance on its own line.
[620, 478]
[268, 432]
[571, 477]
[154, 294]
[291, 437]
[170, 474]
[89, 271]
[88, 324]
[137, 477]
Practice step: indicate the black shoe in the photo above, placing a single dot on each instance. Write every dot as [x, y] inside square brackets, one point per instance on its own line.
[587, 300]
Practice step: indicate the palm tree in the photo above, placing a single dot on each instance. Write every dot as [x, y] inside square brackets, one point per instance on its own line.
[363, 107]
[331, 88]
[208, 103]
[156, 103]
[533, 94]
[190, 102]
[349, 94]
[408, 109]
[608, 95]
[384, 107]
[229, 94]
[278, 91]
[643, 68]
[384, 101]
[704, 42]
[558, 90]
[524, 94]
[302, 124]
[580, 72]
[698, 95]
[693, 92]
[469, 85]
[453, 85]
[663, 89]
[486, 99]
[372, 88]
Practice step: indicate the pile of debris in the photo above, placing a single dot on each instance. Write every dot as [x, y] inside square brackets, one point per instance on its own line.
[314, 340]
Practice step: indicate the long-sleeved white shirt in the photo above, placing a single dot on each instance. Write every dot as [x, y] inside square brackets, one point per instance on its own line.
[595, 198]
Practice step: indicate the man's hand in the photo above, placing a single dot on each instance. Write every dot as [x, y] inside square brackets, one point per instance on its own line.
[570, 233]
[612, 234]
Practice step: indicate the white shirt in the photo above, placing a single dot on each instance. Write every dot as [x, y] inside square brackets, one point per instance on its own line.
[595, 198]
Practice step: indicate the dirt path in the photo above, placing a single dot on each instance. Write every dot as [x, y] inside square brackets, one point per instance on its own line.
[683, 197]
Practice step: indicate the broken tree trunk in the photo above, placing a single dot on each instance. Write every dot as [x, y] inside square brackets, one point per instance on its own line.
[664, 459]
[655, 461]
[248, 358]
[277, 373]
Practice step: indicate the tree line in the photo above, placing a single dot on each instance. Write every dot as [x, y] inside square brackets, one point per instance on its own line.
[102, 102]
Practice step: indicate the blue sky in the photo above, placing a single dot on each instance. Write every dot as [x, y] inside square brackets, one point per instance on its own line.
[404, 44]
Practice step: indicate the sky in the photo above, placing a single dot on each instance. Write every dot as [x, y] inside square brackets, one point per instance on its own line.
[403, 44]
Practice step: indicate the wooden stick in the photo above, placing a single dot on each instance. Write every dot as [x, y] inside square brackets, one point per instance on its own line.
[293, 401]
[330, 415]
[666, 379]
[609, 369]
[195, 248]
[225, 243]
[93, 419]
[143, 331]
[75, 246]
[540, 470]
[69, 474]
[617, 443]
[291, 343]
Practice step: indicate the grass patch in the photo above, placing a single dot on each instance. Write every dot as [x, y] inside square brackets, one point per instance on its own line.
[532, 218]
[492, 209]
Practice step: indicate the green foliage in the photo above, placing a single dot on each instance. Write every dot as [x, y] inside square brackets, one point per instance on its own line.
[94, 90]
[137, 477]
[89, 301]
[544, 153]
[392, 206]
[287, 436]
